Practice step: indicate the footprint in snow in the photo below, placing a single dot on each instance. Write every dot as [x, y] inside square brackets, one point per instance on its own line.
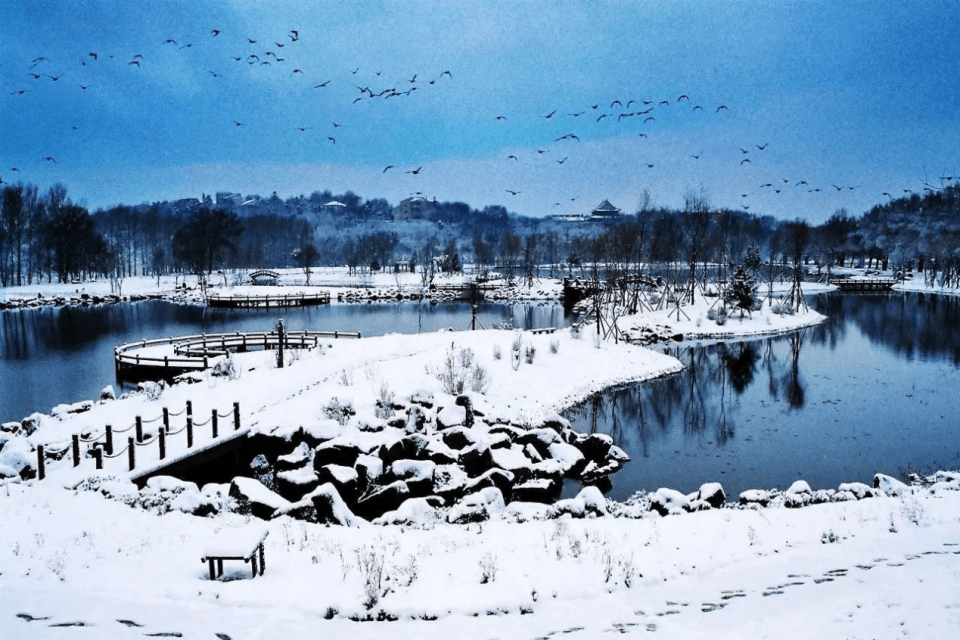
[165, 634]
[652, 627]
[30, 618]
[76, 623]
[130, 623]
[707, 607]
[223, 636]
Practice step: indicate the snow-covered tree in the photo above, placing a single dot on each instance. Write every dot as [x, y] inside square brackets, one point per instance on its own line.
[742, 293]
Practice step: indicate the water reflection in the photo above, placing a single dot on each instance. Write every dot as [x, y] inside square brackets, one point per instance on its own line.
[870, 390]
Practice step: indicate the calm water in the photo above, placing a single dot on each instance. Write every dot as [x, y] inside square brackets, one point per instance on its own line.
[63, 355]
[874, 389]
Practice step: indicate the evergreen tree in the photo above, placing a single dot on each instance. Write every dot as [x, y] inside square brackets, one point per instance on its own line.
[743, 291]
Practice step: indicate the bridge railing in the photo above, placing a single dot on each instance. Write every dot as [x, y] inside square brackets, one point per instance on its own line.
[102, 445]
[287, 300]
[196, 351]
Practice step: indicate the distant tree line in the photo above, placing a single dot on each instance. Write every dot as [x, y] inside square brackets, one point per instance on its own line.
[47, 237]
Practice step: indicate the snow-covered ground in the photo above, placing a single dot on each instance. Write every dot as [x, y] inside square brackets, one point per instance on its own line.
[874, 568]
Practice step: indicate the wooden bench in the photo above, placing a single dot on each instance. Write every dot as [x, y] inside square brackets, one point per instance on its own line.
[546, 330]
[236, 544]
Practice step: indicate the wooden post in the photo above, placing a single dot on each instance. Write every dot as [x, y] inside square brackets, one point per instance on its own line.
[139, 431]
[166, 420]
[236, 416]
[162, 437]
[98, 457]
[109, 443]
[189, 431]
[41, 463]
[132, 453]
[280, 344]
[75, 445]
[213, 421]
[189, 409]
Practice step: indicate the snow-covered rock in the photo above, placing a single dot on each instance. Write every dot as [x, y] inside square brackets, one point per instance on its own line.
[18, 454]
[254, 498]
[477, 507]
[570, 458]
[107, 394]
[538, 490]
[295, 459]
[859, 490]
[330, 507]
[669, 502]
[712, 494]
[755, 496]
[890, 485]
[383, 499]
[418, 512]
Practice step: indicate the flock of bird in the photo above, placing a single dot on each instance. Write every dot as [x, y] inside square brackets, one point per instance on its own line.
[566, 127]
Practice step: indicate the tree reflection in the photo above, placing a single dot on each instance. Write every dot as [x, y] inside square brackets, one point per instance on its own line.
[741, 363]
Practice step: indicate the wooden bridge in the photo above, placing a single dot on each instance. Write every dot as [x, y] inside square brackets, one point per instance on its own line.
[152, 359]
[849, 285]
[268, 301]
[575, 289]
[155, 446]
[264, 275]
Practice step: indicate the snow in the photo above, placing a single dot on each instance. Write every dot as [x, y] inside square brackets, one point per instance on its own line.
[235, 541]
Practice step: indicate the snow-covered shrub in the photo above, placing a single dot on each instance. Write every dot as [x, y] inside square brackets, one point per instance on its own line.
[497, 352]
[346, 378]
[337, 411]
[370, 562]
[575, 332]
[384, 409]
[782, 309]
[505, 325]
[554, 346]
[488, 568]
[460, 371]
[529, 353]
[718, 315]
[226, 368]
[153, 390]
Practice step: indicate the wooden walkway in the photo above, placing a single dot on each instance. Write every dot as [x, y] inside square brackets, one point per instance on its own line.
[849, 285]
[199, 352]
[268, 301]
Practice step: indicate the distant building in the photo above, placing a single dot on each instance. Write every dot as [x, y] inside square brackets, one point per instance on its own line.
[416, 208]
[229, 199]
[605, 212]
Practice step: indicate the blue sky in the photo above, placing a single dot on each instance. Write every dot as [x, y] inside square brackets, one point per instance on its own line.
[852, 98]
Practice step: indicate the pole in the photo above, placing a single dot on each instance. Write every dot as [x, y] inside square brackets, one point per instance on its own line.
[41, 463]
[98, 457]
[166, 420]
[162, 437]
[139, 422]
[280, 344]
[75, 445]
[189, 432]
[213, 421]
[132, 453]
[109, 444]
[236, 416]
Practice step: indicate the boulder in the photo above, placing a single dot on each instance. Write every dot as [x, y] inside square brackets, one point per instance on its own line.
[453, 416]
[541, 490]
[593, 501]
[254, 498]
[527, 511]
[514, 460]
[595, 446]
[383, 499]
[499, 478]
[346, 480]
[755, 496]
[296, 459]
[437, 451]
[330, 507]
[409, 447]
[337, 451]
[415, 512]
[569, 457]
[476, 459]
[465, 402]
[19, 456]
[417, 474]
[477, 507]
[107, 394]
[712, 494]
[316, 433]
[416, 419]
[459, 438]
[890, 485]
[449, 482]
[369, 469]
[669, 502]
[859, 490]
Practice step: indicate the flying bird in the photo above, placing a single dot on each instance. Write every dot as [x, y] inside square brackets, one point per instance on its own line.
[800, 183]
[49, 159]
[170, 41]
[500, 118]
[302, 129]
[134, 62]
[745, 160]
[294, 35]
[617, 102]
[215, 32]
[332, 139]
[93, 55]
[415, 171]
[513, 193]
[389, 166]
[602, 116]
[562, 161]
[569, 136]
[723, 106]
[513, 157]
[665, 102]
[642, 135]
[683, 97]
[744, 150]
[239, 124]
[696, 106]
[649, 165]
[19, 92]
[762, 146]
[886, 194]
[251, 41]
[322, 84]
[550, 115]
[648, 119]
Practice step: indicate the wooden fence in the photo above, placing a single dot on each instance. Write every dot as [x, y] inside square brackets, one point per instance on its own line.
[103, 446]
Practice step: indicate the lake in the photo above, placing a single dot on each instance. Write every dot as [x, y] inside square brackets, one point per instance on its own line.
[873, 389]
[55, 355]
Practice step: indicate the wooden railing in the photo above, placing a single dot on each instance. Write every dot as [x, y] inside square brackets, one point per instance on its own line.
[102, 445]
[290, 300]
[195, 352]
